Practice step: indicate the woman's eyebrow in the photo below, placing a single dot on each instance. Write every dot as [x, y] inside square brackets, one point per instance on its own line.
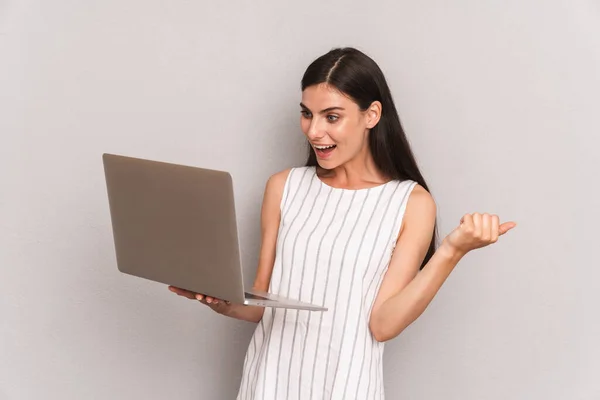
[325, 110]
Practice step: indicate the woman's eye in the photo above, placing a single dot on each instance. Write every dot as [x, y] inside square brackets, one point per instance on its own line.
[332, 118]
[305, 114]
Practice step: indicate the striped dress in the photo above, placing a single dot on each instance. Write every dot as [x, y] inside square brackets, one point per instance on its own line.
[333, 248]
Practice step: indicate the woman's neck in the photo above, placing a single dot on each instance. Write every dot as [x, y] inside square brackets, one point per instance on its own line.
[358, 173]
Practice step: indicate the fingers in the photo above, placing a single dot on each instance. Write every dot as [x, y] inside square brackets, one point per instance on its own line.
[209, 300]
[505, 227]
[495, 228]
[215, 301]
[182, 292]
[212, 302]
[467, 222]
[477, 225]
[485, 226]
[204, 299]
[479, 230]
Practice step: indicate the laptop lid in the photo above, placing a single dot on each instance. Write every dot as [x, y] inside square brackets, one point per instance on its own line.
[175, 224]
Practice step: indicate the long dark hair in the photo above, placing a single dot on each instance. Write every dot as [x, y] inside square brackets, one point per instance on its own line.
[356, 75]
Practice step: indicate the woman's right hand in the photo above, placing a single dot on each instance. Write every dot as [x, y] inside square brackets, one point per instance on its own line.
[217, 305]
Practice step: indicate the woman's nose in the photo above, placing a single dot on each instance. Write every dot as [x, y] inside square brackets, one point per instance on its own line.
[314, 131]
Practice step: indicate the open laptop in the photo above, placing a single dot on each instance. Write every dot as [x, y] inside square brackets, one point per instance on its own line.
[176, 225]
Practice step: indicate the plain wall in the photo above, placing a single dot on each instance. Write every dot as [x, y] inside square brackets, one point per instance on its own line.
[500, 100]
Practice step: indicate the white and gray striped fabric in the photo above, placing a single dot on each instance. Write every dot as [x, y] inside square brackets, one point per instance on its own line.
[333, 248]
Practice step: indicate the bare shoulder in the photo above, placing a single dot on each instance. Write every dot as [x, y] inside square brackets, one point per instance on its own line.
[277, 181]
[274, 191]
[421, 209]
[420, 199]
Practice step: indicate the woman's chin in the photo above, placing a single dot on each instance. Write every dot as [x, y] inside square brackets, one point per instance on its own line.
[326, 164]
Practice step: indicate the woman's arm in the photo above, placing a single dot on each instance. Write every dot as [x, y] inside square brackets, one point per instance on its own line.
[406, 292]
[270, 217]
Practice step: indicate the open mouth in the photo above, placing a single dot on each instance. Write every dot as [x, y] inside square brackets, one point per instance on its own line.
[324, 151]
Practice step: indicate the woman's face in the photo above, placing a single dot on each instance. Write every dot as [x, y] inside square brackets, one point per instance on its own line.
[334, 125]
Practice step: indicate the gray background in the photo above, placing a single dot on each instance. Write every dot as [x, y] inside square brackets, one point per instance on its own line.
[499, 99]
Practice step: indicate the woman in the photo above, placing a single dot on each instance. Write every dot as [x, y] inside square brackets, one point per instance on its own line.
[354, 230]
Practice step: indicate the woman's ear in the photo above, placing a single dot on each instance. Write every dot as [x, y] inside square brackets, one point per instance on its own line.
[373, 114]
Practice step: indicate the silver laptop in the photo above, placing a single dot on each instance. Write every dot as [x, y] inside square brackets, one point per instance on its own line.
[176, 225]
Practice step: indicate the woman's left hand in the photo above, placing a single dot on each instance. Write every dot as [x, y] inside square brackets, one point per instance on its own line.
[476, 231]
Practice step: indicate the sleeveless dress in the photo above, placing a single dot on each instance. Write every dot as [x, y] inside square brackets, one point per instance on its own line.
[333, 249]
